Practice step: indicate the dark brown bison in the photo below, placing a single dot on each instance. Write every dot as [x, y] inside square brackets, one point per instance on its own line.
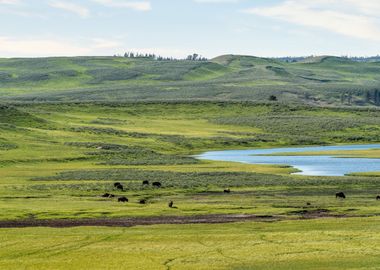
[340, 195]
[107, 195]
[145, 183]
[120, 187]
[227, 190]
[142, 201]
[308, 204]
[116, 184]
[122, 199]
[157, 184]
[378, 198]
[171, 203]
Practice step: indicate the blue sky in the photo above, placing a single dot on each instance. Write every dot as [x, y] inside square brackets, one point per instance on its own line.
[180, 27]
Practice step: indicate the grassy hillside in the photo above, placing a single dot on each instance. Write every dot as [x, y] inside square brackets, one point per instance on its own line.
[318, 80]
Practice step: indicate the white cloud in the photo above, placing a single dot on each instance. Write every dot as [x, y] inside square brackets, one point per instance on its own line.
[100, 43]
[347, 17]
[71, 7]
[9, 2]
[41, 47]
[136, 5]
[370, 7]
[44, 47]
[38, 47]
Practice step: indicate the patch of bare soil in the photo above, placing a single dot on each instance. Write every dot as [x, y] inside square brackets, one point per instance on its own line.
[139, 221]
[135, 221]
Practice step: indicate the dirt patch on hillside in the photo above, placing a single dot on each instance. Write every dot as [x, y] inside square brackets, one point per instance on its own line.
[136, 221]
[139, 221]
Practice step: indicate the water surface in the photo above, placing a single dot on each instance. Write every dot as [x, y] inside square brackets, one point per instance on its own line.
[308, 165]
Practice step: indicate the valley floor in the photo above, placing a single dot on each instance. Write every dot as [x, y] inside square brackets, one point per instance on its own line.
[57, 160]
[308, 244]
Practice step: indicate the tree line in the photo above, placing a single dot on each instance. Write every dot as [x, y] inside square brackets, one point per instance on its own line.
[191, 57]
[369, 96]
[373, 97]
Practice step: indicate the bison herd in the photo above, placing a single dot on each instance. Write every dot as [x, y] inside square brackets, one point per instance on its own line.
[341, 195]
[123, 199]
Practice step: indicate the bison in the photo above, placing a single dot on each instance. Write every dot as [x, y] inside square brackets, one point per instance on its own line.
[120, 187]
[116, 184]
[122, 199]
[340, 195]
[378, 198]
[142, 201]
[107, 195]
[227, 190]
[157, 184]
[171, 203]
[145, 183]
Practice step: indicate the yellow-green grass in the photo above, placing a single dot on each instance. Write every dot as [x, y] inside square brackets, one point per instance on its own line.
[42, 136]
[310, 244]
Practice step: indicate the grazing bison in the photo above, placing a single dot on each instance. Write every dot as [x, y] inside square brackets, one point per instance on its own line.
[142, 201]
[378, 198]
[116, 184]
[308, 204]
[122, 199]
[120, 187]
[340, 195]
[171, 203]
[146, 183]
[106, 195]
[157, 184]
[227, 190]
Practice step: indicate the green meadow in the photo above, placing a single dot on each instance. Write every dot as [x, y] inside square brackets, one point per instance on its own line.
[67, 136]
[308, 244]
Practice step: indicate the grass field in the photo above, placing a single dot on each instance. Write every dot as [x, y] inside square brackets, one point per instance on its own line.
[58, 158]
[312, 244]
[317, 81]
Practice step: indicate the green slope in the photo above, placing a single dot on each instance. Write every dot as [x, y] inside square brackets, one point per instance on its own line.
[317, 80]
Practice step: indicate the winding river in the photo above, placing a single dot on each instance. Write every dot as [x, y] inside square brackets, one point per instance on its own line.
[321, 165]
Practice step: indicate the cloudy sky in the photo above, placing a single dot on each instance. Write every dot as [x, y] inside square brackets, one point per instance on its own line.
[180, 27]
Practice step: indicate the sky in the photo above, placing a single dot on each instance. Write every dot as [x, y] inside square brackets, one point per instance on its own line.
[267, 28]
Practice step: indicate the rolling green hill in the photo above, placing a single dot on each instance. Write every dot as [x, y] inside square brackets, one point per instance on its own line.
[321, 80]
